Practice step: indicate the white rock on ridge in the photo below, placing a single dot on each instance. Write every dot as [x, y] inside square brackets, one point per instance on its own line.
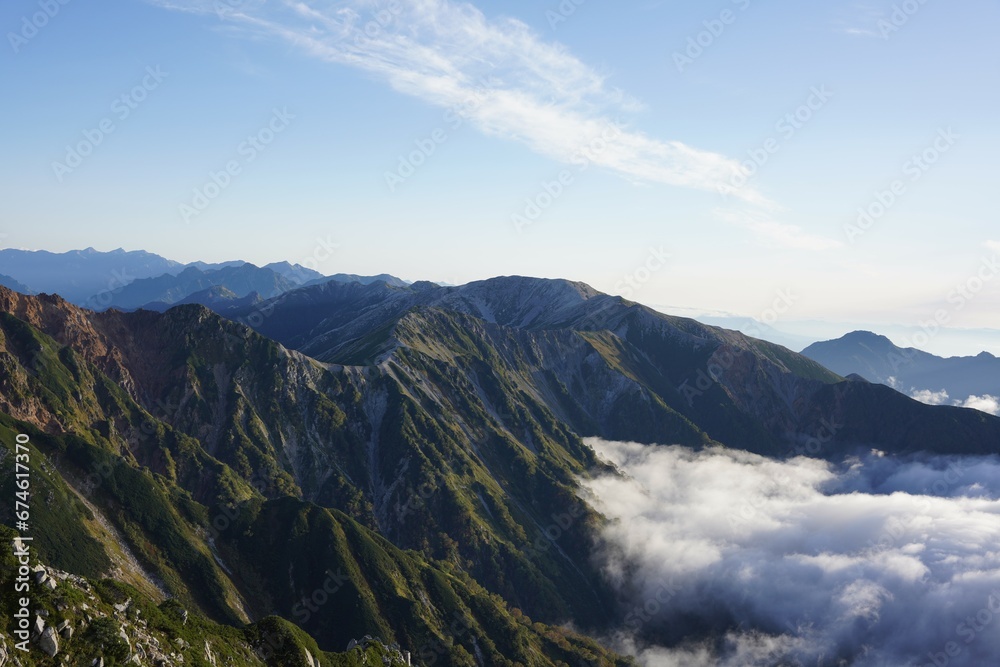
[310, 660]
[209, 656]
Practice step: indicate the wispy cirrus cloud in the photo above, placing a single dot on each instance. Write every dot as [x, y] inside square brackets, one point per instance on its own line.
[775, 233]
[507, 80]
[860, 21]
[860, 32]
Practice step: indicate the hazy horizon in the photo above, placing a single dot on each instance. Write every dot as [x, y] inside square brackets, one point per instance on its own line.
[795, 334]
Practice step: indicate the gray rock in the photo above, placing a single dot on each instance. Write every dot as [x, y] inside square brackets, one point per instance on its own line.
[49, 642]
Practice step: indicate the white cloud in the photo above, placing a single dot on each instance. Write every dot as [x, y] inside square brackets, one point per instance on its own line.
[930, 397]
[993, 245]
[734, 559]
[861, 32]
[511, 83]
[775, 233]
[986, 403]
[859, 21]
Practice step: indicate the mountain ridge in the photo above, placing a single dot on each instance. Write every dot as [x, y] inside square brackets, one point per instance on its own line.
[911, 370]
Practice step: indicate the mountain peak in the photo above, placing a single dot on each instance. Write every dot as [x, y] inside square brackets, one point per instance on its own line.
[520, 301]
[877, 359]
[866, 336]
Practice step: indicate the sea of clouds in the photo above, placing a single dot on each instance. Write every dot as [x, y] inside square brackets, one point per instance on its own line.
[728, 558]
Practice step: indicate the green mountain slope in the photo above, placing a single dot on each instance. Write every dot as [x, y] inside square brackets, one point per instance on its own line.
[162, 492]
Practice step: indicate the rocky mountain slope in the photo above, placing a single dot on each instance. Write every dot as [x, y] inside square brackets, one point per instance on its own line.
[411, 455]
[76, 620]
[665, 379]
[204, 421]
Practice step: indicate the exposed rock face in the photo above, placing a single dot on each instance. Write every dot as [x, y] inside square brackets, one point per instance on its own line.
[209, 656]
[49, 642]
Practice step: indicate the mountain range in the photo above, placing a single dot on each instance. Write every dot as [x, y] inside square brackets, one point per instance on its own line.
[132, 279]
[915, 372]
[218, 286]
[78, 275]
[373, 458]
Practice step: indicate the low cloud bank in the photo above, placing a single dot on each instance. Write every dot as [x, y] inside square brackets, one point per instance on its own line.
[728, 558]
[986, 403]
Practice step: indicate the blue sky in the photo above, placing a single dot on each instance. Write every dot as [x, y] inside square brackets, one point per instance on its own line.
[589, 140]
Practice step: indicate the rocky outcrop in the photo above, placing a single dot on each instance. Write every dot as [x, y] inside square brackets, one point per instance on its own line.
[49, 642]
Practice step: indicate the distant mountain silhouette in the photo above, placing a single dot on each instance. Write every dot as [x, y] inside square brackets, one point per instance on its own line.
[169, 289]
[878, 359]
[15, 285]
[78, 275]
[138, 279]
